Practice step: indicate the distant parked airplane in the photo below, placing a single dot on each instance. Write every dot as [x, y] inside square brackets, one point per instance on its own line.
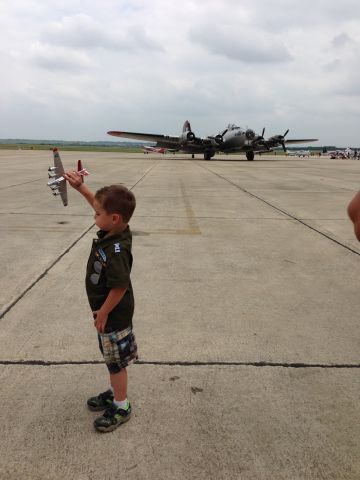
[149, 149]
[346, 153]
[298, 153]
[231, 140]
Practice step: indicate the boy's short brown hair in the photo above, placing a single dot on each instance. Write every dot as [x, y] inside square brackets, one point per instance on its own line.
[117, 199]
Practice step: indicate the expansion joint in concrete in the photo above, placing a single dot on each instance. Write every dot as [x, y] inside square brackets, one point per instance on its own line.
[19, 184]
[49, 363]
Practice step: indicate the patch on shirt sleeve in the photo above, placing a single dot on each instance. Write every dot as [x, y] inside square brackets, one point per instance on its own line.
[117, 247]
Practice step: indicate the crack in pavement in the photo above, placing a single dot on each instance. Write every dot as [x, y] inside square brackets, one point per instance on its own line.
[49, 363]
[19, 184]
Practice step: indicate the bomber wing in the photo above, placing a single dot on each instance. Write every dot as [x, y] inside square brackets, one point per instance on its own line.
[301, 140]
[147, 136]
[280, 140]
[187, 138]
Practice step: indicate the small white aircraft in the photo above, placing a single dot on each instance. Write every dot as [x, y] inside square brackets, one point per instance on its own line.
[298, 153]
[150, 149]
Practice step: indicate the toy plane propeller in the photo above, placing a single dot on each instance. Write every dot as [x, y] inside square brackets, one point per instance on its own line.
[57, 182]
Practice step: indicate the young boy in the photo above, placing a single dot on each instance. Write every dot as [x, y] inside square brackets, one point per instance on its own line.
[110, 295]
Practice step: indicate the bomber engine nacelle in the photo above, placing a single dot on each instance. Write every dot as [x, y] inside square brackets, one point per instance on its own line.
[213, 140]
[188, 136]
[278, 140]
[250, 134]
[217, 139]
[275, 139]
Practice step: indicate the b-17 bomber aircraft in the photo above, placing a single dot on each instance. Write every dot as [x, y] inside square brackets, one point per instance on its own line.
[231, 140]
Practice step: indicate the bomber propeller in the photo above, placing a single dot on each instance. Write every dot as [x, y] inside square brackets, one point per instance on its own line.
[260, 140]
[279, 139]
[219, 138]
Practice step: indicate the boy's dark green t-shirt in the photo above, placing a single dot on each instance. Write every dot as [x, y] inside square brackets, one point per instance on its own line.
[108, 267]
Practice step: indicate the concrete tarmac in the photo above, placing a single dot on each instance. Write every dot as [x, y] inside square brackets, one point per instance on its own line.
[246, 280]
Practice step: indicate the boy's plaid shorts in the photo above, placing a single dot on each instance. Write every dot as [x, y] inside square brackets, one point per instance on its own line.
[118, 348]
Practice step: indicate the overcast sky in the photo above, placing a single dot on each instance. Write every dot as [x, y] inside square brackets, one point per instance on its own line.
[73, 70]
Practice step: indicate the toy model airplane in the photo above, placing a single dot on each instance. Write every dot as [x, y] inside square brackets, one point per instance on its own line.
[57, 182]
[231, 140]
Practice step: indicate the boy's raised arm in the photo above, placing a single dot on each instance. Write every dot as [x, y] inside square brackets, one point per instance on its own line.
[76, 182]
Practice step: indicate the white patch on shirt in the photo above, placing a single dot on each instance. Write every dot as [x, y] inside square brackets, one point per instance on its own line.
[117, 247]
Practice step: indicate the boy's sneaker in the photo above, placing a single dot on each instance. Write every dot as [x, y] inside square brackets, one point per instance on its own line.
[112, 418]
[101, 402]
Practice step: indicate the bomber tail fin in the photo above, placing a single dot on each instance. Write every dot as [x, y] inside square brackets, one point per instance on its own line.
[187, 127]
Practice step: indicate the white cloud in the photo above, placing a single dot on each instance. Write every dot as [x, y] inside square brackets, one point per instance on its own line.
[80, 31]
[59, 58]
[242, 45]
[342, 40]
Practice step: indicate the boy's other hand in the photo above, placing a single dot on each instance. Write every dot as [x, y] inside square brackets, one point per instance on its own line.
[73, 178]
[100, 320]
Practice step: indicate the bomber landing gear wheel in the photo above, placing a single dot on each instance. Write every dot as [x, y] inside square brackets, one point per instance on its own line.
[250, 155]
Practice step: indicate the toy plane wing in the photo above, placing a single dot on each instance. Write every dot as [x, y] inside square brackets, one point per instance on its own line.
[59, 178]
